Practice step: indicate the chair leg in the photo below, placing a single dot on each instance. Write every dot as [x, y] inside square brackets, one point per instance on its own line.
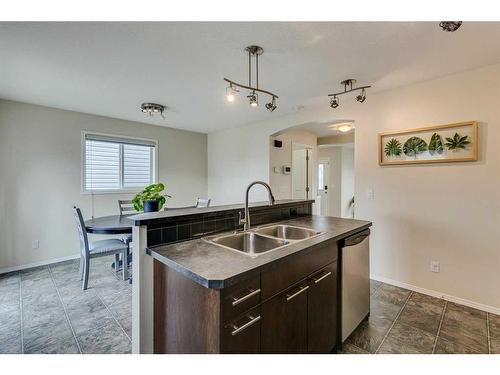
[117, 262]
[81, 267]
[124, 265]
[86, 271]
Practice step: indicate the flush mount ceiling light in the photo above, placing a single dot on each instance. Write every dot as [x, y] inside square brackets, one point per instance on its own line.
[343, 127]
[151, 108]
[253, 53]
[348, 87]
[450, 26]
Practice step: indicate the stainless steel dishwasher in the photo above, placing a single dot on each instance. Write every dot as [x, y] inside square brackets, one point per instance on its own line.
[355, 281]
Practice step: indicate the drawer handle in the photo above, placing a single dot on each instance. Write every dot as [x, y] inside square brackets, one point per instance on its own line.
[301, 290]
[322, 277]
[246, 325]
[252, 293]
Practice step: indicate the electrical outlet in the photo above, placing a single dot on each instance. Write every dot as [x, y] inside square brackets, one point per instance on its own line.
[435, 266]
[35, 244]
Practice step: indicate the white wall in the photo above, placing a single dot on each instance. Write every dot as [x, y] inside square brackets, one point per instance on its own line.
[448, 212]
[40, 166]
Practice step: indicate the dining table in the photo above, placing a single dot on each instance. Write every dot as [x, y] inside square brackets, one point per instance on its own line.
[111, 225]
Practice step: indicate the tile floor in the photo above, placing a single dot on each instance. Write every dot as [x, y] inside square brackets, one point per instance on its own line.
[407, 322]
[44, 310]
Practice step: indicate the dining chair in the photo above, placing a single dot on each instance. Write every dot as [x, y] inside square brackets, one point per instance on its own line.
[126, 207]
[89, 250]
[202, 202]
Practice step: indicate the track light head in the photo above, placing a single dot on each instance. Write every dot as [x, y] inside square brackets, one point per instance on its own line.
[271, 106]
[231, 93]
[252, 97]
[334, 102]
[450, 26]
[361, 97]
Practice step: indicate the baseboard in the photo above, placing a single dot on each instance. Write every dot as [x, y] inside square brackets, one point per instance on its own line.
[37, 264]
[434, 293]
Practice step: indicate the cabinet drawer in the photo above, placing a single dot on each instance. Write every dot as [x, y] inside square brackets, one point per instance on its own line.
[297, 267]
[242, 335]
[240, 297]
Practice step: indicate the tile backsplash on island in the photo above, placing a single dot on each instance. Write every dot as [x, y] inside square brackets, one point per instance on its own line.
[170, 227]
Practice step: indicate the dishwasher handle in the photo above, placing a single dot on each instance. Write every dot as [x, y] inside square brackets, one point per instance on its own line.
[357, 238]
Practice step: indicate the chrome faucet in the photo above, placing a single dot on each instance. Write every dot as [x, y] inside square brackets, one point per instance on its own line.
[246, 219]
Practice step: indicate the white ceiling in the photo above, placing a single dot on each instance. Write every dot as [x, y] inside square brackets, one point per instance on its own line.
[109, 69]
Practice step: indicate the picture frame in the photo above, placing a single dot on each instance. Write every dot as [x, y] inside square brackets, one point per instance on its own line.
[456, 142]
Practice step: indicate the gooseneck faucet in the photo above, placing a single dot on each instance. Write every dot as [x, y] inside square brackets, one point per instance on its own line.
[246, 219]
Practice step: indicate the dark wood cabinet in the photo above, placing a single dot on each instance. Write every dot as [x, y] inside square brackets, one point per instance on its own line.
[242, 335]
[289, 307]
[284, 322]
[322, 323]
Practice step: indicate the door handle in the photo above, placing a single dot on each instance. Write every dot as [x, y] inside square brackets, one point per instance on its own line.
[317, 280]
[237, 329]
[252, 293]
[301, 290]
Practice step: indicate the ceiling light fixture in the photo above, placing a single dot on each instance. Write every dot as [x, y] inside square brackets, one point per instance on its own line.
[151, 108]
[344, 128]
[253, 52]
[450, 26]
[348, 87]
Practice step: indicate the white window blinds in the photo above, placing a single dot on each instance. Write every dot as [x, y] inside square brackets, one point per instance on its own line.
[113, 163]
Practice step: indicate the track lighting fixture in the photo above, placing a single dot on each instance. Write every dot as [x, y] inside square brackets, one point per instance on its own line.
[348, 87]
[253, 53]
[450, 26]
[271, 106]
[334, 102]
[361, 97]
[151, 108]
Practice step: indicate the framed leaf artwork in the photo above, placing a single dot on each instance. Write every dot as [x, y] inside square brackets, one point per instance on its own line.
[456, 142]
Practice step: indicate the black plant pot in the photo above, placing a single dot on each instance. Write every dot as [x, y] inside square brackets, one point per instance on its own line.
[150, 206]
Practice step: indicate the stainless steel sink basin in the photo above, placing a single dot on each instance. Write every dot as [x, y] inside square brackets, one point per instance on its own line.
[247, 242]
[287, 232]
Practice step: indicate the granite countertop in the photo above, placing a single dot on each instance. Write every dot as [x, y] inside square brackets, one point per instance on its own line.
[151, 217]
[215, 267]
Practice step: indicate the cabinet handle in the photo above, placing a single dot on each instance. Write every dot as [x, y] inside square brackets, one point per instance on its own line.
[292, 296]
[252, 293]
[246, 325]
[322, 277]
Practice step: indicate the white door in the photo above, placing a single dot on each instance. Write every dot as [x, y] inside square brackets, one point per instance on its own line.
[323, 178]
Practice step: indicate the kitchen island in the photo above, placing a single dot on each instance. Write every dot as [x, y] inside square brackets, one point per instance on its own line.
[206, 298]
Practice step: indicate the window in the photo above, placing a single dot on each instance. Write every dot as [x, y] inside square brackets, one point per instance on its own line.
[321, 176]
[113, 163]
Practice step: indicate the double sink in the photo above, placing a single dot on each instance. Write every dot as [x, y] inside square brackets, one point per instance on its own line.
[264, 239]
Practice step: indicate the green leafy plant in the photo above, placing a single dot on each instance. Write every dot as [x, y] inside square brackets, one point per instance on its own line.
[414, 146]
[150, 193]
[457, 142]
[436, 144]
[393, 148]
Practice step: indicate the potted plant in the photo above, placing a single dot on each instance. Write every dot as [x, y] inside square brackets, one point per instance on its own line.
[150, 199]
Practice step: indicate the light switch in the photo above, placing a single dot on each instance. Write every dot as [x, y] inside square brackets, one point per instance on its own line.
[370, 194]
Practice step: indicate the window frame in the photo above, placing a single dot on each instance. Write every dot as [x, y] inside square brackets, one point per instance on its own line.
[83, 164]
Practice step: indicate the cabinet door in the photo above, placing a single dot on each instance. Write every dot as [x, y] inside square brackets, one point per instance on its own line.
[284, 322]
[322, 310]
[242, 335]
